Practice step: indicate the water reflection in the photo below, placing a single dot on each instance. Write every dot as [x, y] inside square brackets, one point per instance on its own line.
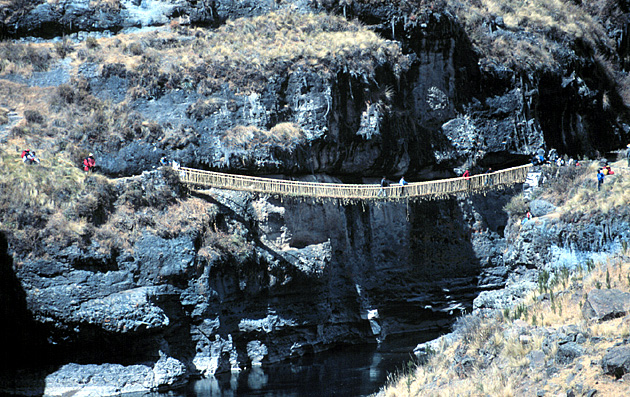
[347, 371]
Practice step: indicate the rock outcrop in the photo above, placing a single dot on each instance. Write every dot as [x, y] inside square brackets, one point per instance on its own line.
[48, 19]
[606, 304]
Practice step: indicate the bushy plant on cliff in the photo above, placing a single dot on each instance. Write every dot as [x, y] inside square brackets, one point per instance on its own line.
[284, 135]
[82, 117]
[546, 27]
[517, 206]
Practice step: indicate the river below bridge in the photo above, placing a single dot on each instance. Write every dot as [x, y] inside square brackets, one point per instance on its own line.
[348, 371]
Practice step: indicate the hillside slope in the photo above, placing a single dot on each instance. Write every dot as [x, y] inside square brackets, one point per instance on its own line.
[562, 323]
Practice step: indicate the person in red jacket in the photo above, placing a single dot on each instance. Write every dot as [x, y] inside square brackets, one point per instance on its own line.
[466, 174]
[29, 157]
[89, 163]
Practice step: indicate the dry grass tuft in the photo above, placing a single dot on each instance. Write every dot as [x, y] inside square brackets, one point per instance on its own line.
[33, 197]
[24, 59]
[286, 135]
[246, 52]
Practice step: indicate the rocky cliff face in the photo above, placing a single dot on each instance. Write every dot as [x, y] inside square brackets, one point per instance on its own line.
[256, 279]
[427, 112]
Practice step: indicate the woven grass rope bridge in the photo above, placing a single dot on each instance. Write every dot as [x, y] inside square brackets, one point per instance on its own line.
[197, 179]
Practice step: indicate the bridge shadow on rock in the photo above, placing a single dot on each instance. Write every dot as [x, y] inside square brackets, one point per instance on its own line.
[418, 263]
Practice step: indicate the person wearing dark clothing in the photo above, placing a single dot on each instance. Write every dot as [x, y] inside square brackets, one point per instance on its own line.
[489, 180]
[600, 179]
[382, 191]
[628, 154]
[89, 163]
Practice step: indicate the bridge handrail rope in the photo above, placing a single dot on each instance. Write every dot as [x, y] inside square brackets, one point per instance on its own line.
[441, 187]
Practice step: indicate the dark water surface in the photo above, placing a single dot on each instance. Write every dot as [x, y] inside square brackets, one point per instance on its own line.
[348, 371]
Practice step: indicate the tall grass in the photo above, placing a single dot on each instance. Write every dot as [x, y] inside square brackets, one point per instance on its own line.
[31, 196]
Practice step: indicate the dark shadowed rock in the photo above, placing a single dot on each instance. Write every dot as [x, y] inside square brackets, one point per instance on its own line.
[616, 362]
[67, 16]
[606, 304]
[567, 352]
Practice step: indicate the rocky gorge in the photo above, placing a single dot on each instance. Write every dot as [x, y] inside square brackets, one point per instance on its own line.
[138, 284]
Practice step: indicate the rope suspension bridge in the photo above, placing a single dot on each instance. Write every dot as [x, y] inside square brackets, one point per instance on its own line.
[443, 188]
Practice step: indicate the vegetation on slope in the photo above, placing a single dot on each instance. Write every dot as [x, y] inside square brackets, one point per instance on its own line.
[492, 354]
[54, 203]
[48, 207]
[498, 348]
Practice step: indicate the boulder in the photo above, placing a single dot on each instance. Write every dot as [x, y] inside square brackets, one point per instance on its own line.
[126, 311]
[541, 207]
[606, 304]
[616, 362]
[114, 379]
[567, 352]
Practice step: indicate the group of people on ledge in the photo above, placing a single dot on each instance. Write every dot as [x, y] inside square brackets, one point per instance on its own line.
[601, 173]
[29, 157]
[553, 158]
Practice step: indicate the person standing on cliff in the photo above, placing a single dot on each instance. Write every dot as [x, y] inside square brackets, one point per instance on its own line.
[628, 154]
[600, 179]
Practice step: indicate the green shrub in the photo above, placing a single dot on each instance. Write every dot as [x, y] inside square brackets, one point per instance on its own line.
[517, 206]
[91, 42]
[33, 116]
[64, 47]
